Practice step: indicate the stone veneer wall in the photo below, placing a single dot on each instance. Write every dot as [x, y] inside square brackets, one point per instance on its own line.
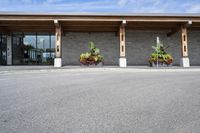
[138, 46]
[74, 43]
[194, 47]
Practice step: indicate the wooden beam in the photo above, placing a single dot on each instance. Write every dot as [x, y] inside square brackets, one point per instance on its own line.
[184, 41]
[172, 32]
[5, 30]
[33, 30]
[13, 25]
[175, 30]
[90, 30]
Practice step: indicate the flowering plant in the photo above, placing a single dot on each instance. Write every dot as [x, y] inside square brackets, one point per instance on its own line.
[92, 56]
[160, 56]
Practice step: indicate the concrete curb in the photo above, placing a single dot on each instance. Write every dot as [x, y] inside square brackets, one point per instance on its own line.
[90, 70]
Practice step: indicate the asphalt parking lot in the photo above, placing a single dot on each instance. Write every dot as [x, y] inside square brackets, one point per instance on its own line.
[102, 101]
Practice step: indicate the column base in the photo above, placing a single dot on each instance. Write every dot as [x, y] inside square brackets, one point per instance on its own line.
[184, 62]
[122, 62]
[58, 62]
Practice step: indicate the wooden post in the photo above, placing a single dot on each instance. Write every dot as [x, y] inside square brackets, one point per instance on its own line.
[184, 42]
[122, 41]
[58, 44]
[122, 45]
[58, 41]
[184, 47]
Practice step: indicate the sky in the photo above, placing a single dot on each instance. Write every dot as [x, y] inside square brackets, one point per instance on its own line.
[101, 6]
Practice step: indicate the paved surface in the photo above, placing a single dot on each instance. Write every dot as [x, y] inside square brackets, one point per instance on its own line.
[103, 101]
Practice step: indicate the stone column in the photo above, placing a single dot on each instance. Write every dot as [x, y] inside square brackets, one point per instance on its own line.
[184, 61]
[9, 49]
[122, 48]
[58, 45]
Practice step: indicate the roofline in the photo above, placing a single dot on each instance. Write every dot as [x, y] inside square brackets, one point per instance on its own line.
[100, 14]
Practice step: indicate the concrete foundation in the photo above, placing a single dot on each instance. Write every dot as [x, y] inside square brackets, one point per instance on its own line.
[185, 62]
[58, 62]
[122, 62]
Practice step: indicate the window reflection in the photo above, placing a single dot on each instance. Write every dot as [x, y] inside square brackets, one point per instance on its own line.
[3, 49]
[52, 45]
[33, 48]
[17, 46]
[44, 48]
[29, 48]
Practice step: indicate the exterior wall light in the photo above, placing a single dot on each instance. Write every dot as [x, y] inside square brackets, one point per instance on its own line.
[123, 21]
[189, 22]
[55, 21]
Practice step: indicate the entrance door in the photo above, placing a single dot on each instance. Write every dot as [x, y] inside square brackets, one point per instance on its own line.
[3, 49]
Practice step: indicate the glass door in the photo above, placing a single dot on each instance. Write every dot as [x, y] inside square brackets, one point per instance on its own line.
[3, 49]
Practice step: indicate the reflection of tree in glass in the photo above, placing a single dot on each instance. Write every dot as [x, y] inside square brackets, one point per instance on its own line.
[30, 40]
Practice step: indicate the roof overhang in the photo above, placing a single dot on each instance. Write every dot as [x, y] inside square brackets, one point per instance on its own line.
[95, 22]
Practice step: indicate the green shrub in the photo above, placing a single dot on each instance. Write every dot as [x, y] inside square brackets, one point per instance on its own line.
[159, 55]
[92, 56]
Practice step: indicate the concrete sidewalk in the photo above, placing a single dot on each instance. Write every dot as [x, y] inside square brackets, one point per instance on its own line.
[18, 69]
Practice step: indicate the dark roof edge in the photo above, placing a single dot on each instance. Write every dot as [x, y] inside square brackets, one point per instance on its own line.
[101, 14]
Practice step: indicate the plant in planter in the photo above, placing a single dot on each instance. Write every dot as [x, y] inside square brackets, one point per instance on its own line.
[92, 57]
[160, 57]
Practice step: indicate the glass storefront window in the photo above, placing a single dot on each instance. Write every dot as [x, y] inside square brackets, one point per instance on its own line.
[29, 48]
[17, 46]
[3, 49]
[52, 45]
[33, 48]
[44, 49]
